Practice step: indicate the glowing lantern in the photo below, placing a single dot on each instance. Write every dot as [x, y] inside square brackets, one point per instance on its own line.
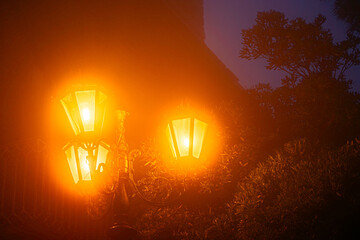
[186, 137]
[85, 161]
[85, 110]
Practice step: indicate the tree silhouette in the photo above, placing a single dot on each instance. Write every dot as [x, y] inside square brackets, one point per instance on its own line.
[314, 100]
[349, 11]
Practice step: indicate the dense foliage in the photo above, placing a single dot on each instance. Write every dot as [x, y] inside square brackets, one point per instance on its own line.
[348, 10]
[315, 99]
[301, 192]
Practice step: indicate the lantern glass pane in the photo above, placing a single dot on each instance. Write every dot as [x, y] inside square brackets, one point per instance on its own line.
[182, 135]
[86, 104]
[171, 140]
[103, 151]
[70, 155]
[84, 164]
[100, 110]
[200, 129]
[70, 106]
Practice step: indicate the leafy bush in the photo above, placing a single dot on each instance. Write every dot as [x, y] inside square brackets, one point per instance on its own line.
[203, 195]
[299, 193]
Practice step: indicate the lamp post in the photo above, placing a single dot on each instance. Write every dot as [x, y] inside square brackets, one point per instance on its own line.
[88, 155]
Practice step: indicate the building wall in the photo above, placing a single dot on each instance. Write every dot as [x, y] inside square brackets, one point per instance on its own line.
[141, 51]
[191, 13]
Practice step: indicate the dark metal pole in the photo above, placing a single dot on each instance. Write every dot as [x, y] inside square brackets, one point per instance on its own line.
[92, 163]
[121, 228]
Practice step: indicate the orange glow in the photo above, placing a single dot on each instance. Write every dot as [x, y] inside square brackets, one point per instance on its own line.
[84, 164]
[186, 143]
[85, 110]
[102, 153]
[200, 129]
[70, 155]
[79, 163]
[58, 128]
[182, 135]
[86, 104]
[186, 137]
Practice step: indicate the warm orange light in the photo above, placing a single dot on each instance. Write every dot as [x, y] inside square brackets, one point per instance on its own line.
[186, 137]
[85, 110]
[80, 167]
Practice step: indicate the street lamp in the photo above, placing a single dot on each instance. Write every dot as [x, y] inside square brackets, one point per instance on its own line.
[186, 137]
[86, 159]
[87, 156]
[85, 109]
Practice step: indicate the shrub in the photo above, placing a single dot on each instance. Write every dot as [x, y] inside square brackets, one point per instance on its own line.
[299, 193]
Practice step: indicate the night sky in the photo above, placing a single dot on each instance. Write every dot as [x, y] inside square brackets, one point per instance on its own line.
[225, 19]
